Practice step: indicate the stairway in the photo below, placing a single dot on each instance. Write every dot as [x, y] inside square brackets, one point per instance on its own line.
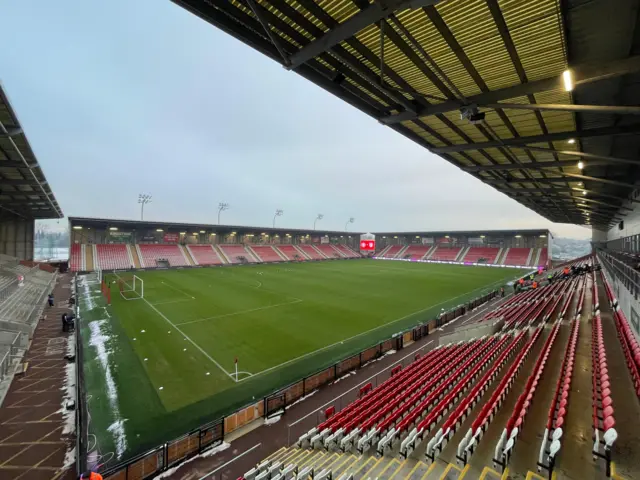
[400, 254]
[302, 254]
[505, 252]
[319, 251]
[497, 259]
[432, 251]
[340, 252]
[133, 256]
[536, 257]
[280, 254]
[253, 254]
[383, 251]
[221, 254]
[463, 253]
[529, 257]
[429, 252]
[138, 254]
[187, 255]
[87, 257]
[94, 254]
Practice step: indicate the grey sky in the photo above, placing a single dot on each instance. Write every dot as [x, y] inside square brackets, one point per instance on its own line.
[125, 96]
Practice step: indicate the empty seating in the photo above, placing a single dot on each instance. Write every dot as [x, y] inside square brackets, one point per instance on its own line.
[416, 252]
[392, 251]
[291, 252]
[506, 443]
[476, 254]
[113, 257]
[237, 254]
[445, 253]
[603, 419]
[328, 250]
[151, 253]
[467, 445]
[517, 256]
[75, 262]
[553, 432]
[311, 252]
[347, 251]
[266, 253]
[204, 255]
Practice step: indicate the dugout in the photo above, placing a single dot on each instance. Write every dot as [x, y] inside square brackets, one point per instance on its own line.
[25, 194]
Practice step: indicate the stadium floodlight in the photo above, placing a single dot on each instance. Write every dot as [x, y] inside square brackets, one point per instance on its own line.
[580, 165]
[351, 220]
[278, 213]
[319, 217]
[221, 207]
[143, 199]
[567, 79]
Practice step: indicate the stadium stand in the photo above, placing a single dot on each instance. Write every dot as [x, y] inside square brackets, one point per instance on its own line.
[311, 252]
[416, 252]
[237, 254]
[113, 257]
[151, 254]
[475, 254]
[347, 251]
[266, 253]
[442, 253]
[328, 250]
[544, 257]
[291, 252]
[204, 255]
[392, 251]
[518, 256]
[76, 260]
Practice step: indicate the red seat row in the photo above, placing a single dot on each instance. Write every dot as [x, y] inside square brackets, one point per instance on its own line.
[459, 415]
[479, 426]
[603, 412]
[506, 443]
[559, 404]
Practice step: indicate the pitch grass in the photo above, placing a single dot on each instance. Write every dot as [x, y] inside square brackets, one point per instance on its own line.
[282, 321]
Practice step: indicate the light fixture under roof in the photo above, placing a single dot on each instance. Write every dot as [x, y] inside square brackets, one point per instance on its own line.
[567, 79]
[580, 165]
[584, 192]
[571, 141]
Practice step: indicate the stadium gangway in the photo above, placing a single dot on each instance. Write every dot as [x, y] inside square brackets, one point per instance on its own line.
[333, 424]
[437, 443]
[554, 429]
[474, 435]
[531, 311]
[628, 341]
[390, 414]
[429, 410]
[603, 419]
[507, 442]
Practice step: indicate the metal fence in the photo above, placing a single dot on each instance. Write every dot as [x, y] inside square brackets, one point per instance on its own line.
[18, 343]
[626, 274]
[176, 451]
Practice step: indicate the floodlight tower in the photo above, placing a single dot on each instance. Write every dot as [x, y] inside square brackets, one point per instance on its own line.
[351, 220]
[319, 217]
[279, 213]
[221, 207]
[143, 199]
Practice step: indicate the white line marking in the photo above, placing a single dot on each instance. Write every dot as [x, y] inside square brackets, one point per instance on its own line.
[297, 300]
[177, 290]
[184, 335]
[230, 461]
[175, 301]
[360, 384]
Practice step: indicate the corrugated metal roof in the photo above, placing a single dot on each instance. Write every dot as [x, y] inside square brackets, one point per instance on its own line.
[413, 64]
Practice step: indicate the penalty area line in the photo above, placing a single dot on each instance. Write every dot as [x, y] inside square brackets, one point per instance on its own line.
[185, 335]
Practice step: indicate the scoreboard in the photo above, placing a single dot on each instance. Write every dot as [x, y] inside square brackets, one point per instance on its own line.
[368, 245]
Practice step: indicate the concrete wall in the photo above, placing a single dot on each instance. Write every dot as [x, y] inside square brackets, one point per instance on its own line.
[16, 238]
[471, 331]
[626, 301]
[631, 221]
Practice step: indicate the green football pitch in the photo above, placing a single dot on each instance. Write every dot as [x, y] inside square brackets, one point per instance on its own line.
[165, 363]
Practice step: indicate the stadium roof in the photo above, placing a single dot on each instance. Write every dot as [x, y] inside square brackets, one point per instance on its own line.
[24, 190]
[415, 65]
[472, 233]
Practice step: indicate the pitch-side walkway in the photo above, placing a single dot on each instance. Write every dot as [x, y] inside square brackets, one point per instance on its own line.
[34, 442]
[247, 450]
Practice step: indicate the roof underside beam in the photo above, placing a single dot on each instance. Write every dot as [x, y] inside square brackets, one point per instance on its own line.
[551, 137]
[371, 14]
[552, 190]
[500, 181]
[583, 74]
[607, 109]
[531, 166]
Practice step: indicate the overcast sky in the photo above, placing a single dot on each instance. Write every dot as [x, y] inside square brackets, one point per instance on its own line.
[123, 97]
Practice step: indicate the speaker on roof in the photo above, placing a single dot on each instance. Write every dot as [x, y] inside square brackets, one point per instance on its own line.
[621, 225]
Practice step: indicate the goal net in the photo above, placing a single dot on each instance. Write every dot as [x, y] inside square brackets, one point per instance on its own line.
[131, 287]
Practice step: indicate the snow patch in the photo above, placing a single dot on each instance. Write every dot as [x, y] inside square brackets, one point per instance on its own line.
[301, 399]
[381, 357]
[98, 340]
[212, 451]
[69, 395]
[339, 379]
[69, 457]
[272, 420]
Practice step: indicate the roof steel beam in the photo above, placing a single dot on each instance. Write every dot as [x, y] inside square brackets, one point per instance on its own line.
[375, 12]
[20, 183]
[561, 180]
[592, 156]
[530, 165]
[551, 190]
[613, 110]
[582, 75]
[594, 132]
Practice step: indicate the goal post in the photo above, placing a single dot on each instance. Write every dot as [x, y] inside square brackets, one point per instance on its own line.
[131, 288]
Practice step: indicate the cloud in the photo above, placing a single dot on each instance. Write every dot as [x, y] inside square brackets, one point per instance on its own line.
[123, 97]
